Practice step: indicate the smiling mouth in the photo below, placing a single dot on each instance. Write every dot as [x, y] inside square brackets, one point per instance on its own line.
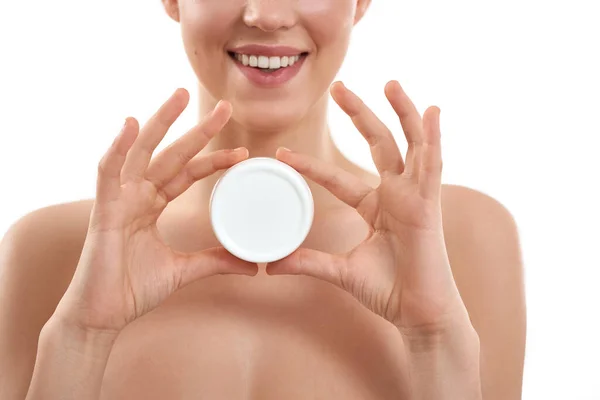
[264, 63]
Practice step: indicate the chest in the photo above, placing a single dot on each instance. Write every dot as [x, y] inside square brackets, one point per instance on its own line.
[263, 337]
[232, 337]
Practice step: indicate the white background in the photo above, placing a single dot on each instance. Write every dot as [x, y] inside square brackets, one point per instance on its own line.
[517, 82]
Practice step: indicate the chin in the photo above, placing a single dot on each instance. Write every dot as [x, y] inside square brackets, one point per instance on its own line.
[273, 117]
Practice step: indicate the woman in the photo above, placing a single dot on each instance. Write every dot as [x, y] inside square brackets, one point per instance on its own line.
[404, 289]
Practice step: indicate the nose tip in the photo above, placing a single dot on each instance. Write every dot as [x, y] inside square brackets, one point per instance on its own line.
[269, 15]
[262, 24]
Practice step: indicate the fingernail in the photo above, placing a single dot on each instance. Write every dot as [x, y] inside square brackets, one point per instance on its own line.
[286, 149]
[239, 149]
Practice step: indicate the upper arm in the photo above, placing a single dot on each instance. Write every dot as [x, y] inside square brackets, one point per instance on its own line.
[38, 255]
[484, 251]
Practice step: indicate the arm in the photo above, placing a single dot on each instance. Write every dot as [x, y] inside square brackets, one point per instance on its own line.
[445, 366]
[484, 252]
[482, 356]
[38, 255]
[69, 361]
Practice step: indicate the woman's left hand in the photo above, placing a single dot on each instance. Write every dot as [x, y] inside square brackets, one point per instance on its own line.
[401, 271]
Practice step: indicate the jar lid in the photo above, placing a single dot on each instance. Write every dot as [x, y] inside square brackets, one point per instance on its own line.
[261, 210]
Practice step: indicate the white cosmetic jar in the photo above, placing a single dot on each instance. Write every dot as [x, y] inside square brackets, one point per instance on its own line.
[261, 210]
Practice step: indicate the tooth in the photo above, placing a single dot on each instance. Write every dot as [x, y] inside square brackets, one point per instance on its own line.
[274, 62]
[253, 61]
[263, 62]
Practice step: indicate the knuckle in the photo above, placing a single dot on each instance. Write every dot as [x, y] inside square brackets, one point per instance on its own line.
[182, 157]
[206, 134]
[372, 139]
[223, 158]
[103, 165]
[189, 178]
[332, 180]
[186, 177]
[212, 160]
[304, 166]
[163, 197]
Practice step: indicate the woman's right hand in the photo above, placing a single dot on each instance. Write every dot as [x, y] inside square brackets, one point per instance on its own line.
[125, 269]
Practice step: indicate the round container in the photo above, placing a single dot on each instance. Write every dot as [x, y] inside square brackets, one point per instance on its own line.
[261, 210]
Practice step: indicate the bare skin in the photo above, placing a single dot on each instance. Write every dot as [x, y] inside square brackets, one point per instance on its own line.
[230, 336]
[259, 337]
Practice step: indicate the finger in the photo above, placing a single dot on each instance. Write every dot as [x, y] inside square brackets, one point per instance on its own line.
[175, 157]
[412, 125]
[342, 184]
[200, 167]
[213, 261]
[430, 177]
[108, 184]
[151, 134]
[327, 267]
[384, 149]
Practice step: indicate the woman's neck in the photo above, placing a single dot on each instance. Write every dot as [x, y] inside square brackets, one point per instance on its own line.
[310, 136]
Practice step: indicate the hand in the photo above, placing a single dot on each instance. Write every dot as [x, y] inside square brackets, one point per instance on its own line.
[401, 270]
[125, 269]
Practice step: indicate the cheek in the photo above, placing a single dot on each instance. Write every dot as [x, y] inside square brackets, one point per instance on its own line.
[329, 8]
[206, 24]
[329, 22]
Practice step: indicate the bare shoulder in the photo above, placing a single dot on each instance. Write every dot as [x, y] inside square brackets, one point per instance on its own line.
[461, 202]
[483, 245]
[38, 255]
[482, 240]
[40, 251]
[44, 232]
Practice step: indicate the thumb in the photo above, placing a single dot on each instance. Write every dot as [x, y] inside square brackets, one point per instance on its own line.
[328, 267]
[212, 261]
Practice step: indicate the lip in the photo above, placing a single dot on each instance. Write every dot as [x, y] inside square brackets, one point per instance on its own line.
[270, 51]
[269, 79]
